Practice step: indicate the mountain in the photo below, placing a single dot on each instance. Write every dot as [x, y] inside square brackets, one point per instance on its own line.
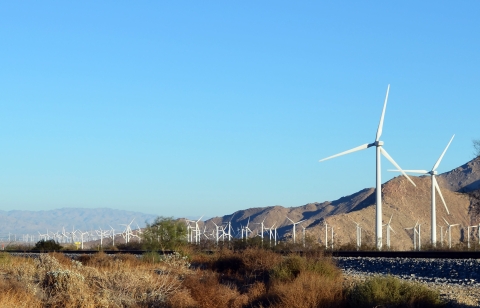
[31, 222]
[407, 204]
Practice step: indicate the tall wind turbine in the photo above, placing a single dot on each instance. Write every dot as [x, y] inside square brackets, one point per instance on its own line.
[379, 152]
[294, 224]
[435, 186]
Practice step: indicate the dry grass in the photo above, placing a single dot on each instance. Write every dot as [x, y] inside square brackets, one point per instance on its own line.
[56, 281]
[247, 278]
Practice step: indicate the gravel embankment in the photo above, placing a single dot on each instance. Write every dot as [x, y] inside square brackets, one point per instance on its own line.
[458, 281]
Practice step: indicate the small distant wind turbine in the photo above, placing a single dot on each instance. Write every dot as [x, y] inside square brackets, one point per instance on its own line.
[389, 228]
[294, 224]
[359, 235]
[434, 186]
[271, 233]
[326, 234]
[380, 151]
[415, 234]
[468, 234]
[263, 228]
[450, 232]
[303, 235]
[247, 229]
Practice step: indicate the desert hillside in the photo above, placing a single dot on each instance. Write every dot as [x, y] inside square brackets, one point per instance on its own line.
[407, 204]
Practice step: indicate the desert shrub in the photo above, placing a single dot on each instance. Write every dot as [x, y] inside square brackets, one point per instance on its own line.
[308, 289]
[5, 258]
[61, 258]
[151, 257]
[99, 260]
[324, 267]
[392, 292]
[132, 245]
[289, 268]
[164, 233]
[47, 245]
[206, 290]
[14, 294]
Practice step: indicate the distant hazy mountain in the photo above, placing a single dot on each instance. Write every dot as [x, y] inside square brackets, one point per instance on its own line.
[32, 222]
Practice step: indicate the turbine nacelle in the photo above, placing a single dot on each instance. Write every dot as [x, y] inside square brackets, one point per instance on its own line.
[376, 144]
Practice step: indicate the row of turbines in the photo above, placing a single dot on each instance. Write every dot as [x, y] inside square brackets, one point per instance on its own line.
[81, 237]
[378, 144]
[224, 232]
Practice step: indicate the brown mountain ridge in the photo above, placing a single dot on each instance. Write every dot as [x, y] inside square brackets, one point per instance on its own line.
[407, 204]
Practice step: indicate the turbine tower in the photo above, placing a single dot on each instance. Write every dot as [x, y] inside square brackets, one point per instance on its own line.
[294, 224]
[389, 228]
[379, 152]
[435, 186]
[450, 232]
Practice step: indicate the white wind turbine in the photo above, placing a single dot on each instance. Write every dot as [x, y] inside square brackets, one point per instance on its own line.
[434, 187]
[113, 235]
[294, 224]
[359, 235]
[326, 234]
[303, 235]
[247, 229]
[379, 152]
[415, 234]
[271, 233]
[468, 234]
[389, 228]
[127, 233]
[263, 228]
[450, 232]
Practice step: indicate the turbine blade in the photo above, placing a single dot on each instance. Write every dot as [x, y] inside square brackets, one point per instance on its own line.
[392, 230]
[411, 171]
[395, 164]
[380, 125]
[446, 221]
[290, 220]
[390, 219]
[359, 148]
[441, 156]
[435, 183]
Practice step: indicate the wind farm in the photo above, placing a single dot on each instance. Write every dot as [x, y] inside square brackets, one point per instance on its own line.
[239, 154]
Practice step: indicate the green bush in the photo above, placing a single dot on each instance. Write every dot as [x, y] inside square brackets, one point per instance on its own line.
[392, 292]
[47, 245]
[151, 257]
[289, 268]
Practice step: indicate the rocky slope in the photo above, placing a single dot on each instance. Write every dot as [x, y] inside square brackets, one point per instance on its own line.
[407, 204]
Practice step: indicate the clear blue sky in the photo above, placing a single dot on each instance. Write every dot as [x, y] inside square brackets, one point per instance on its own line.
[187, 108]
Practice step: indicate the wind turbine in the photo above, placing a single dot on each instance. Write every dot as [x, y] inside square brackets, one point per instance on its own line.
[415, 232]
[450, 232]
[379, 152]
[388, 231]
[468, 235]
[247, 229]
[197, 229]
[263, 228]
[294, 224]
[435, 186]
[359, 235]
[271, 234]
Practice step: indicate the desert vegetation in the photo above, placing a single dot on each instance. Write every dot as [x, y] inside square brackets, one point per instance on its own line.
[250, 277]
